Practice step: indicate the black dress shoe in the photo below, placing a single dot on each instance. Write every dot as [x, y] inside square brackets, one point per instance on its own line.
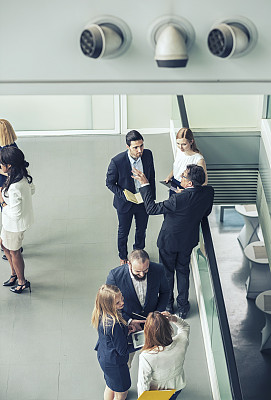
[20, 288]
[11, 281]
[182, 313]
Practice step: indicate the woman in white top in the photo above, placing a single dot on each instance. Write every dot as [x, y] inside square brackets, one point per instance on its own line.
[162, 358]
[186, 153]
[17, 213]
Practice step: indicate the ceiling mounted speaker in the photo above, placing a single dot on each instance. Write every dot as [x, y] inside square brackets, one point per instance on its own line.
[232, 38]
[171, 37]
[105, 37]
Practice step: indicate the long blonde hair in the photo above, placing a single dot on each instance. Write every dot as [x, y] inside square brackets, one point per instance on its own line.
[186, 133]
[105, 308]
[7, 133]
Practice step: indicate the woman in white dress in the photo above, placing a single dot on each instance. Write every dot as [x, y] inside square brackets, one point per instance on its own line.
[17, 213]
[162, 358]
[186, 153]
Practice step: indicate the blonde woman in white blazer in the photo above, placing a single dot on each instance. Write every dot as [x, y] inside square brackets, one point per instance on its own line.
[162, 358]
[17, 213]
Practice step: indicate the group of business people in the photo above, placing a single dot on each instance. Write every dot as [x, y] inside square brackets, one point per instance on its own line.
[133, 169]
[135, 296]
[139, 291]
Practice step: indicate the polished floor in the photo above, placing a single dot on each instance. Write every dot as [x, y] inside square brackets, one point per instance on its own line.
[245, 319]
[46, 340]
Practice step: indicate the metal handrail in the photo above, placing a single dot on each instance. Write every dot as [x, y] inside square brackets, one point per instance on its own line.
[222, 314]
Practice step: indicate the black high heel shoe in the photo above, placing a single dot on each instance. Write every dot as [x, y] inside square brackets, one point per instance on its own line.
[20, 288]
[12, 280]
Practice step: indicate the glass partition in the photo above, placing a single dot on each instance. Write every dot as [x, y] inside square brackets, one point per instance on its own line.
[214, 319]
[268, 108]
[213, 323]
[77, 113]
[148, 111]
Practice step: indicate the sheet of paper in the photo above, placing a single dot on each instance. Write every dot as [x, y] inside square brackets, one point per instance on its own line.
[259, 252]
[134, 198]
[267, 302]
[250, 207]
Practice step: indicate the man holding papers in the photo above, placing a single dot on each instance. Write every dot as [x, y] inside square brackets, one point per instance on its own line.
[119, 178]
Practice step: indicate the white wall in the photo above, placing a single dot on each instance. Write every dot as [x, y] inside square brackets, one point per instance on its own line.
[40, 50]
[239, 112]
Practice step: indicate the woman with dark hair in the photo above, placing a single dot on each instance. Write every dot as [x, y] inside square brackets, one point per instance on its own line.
[162, 358]
[7, 138]
[186, 153]
[17, 213]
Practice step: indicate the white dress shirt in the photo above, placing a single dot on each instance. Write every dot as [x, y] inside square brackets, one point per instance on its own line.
[138, 165]
[140, 288]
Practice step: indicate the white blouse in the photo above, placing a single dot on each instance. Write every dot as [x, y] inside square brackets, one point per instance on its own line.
[164, 369]
[17, 215]
[182, 160]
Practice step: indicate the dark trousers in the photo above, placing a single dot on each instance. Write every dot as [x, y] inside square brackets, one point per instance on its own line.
[125, 222]
[179, 262]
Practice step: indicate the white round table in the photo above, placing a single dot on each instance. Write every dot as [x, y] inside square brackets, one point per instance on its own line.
[248, 233]
[263, 302]
[259, 278]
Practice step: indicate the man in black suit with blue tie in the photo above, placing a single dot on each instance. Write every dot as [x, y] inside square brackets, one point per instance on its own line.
[179, 233]
[118, 178]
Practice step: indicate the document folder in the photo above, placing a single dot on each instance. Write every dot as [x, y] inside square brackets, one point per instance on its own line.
[157, 395]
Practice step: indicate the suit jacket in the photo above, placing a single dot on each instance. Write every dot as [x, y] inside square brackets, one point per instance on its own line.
[113, 347]
[157, 290]
[183, 213]
[119, 177]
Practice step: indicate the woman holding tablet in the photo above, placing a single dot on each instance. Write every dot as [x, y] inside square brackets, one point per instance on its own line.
[162, 358]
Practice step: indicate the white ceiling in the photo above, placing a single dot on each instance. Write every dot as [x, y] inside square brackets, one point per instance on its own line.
[40, 51]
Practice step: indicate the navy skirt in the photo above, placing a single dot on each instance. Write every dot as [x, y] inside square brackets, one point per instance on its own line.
[117, 377]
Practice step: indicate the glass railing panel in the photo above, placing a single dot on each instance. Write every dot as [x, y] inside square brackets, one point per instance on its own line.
[215, 334]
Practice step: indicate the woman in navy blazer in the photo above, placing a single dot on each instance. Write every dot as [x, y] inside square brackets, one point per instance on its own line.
[112, 346]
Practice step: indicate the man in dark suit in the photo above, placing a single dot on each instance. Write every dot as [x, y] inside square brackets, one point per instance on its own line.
[118, 178]
[179, 233]
[143, 285]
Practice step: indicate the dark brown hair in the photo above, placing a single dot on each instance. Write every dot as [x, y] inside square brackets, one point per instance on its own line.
[186, 133]
[141, 255]
[157, 331]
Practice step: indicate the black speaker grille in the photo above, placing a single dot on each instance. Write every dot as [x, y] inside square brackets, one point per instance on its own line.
[217, 42]
[87, 43]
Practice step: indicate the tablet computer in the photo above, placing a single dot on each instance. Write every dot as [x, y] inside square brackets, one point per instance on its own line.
[138, 339]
